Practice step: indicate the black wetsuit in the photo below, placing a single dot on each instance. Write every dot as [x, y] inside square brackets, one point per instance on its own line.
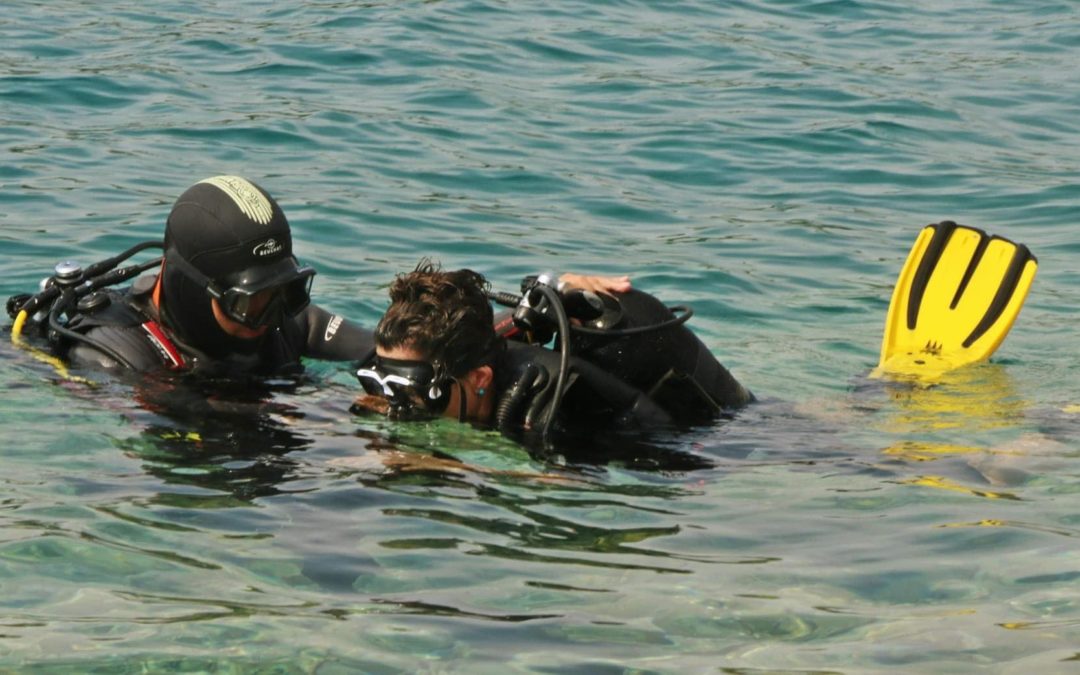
[653, 379]
[127, 323]
[672, 365]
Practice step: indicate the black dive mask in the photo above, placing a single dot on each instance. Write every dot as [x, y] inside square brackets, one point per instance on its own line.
[411, 387]
[255, 297]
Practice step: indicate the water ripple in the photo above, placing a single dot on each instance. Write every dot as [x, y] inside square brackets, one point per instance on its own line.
[769, 162]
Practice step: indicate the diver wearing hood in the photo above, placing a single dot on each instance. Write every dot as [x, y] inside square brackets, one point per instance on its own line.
[229, 298]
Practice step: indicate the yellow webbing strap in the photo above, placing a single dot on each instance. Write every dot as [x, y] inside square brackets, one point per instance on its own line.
[58, 365]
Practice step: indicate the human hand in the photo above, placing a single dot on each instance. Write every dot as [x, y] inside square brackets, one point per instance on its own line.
[596, 283]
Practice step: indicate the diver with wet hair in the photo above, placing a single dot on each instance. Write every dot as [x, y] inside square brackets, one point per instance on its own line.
[632, 365]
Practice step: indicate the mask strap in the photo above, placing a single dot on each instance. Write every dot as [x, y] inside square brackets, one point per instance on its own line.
[461, 401]
[173, 257]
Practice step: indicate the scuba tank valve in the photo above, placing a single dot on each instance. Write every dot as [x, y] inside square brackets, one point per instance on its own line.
[67, 273]
[51, 308]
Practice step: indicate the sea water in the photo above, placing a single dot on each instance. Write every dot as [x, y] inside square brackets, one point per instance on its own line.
[769, 163]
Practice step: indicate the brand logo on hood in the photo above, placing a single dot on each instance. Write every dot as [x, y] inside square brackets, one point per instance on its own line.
[268, 247]
[246, 196]
[332, 328]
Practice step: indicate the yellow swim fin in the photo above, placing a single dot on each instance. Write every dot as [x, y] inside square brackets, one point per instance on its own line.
[955, 301]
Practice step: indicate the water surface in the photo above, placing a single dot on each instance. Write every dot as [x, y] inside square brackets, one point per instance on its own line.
[769, 163]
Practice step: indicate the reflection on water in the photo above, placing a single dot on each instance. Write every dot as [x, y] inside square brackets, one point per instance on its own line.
[969, 431]
[254, 510]
[233, 439]
[236, 447]
[237, 515]
[978, 397]
[245, 462]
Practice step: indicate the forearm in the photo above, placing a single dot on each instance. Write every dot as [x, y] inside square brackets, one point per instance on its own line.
[331, 337]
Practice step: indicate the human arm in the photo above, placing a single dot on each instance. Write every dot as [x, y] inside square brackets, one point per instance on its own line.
[332, 337]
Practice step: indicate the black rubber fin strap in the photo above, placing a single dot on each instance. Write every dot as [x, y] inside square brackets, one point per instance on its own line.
[942, 233]
[1005, 291]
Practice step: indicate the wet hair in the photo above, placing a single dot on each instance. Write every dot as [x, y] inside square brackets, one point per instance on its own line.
[446, 316]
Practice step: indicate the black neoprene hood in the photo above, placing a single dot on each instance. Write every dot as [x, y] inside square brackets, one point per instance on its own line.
[234, 233]
[231, 230]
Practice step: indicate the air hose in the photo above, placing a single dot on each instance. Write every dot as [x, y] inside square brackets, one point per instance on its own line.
[62, 290]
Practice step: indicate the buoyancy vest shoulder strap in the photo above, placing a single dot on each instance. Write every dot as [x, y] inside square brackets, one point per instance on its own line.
[115, 319]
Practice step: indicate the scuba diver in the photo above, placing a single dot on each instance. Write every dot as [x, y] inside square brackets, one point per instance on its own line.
[635, 365]
[229, 297]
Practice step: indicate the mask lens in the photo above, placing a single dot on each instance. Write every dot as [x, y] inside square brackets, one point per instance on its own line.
[263, 307]
[406, 384]
[240, 306]
[370, 382]
[378, 383]
[247, 308]
[296, 294]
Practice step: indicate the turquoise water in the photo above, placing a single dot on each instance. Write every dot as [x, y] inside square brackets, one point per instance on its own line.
[769, 163]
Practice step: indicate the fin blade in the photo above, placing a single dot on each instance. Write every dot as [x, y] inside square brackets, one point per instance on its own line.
[955, 300]
[903, 307]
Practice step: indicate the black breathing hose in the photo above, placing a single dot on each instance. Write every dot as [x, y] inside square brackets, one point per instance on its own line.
[97, 275]
[507, 412]
[109, 263]
[564, 356]
[684, 313]
[504, 416]
[503, 298]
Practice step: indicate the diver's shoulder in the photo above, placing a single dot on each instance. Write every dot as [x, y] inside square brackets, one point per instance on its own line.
[121, 323]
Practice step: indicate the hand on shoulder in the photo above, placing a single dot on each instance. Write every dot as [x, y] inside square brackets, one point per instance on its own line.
[596, 283]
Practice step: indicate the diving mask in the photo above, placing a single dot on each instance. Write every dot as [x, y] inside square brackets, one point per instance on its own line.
[409, 386]
[258, 296]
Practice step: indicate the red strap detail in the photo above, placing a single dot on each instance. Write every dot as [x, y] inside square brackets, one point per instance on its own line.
[505, 327]
[169, 353]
